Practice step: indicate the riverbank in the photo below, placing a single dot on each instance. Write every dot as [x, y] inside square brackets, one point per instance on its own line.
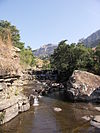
[12, 79]
[43, 119]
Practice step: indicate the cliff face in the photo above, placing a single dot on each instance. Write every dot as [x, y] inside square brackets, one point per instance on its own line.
[45, 50]
[12, 101]
[9, 58]
[83, 86]
[93, 40]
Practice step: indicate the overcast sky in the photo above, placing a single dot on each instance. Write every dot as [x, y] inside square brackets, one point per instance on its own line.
[50, 21]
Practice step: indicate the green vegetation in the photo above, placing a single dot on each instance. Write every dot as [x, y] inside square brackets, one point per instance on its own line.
[26, 55]
[2, 116]
[6, 27]
[67, 58]
[46, 64]
[96, 65]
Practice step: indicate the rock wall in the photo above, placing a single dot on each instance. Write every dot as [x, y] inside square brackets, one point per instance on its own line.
[83, 86]
[12, 101]
[9, 108]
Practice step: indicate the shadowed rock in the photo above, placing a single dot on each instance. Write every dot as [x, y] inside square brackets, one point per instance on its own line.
[83, 86]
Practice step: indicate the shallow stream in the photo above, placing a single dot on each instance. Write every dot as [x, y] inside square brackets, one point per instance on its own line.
[43, 118]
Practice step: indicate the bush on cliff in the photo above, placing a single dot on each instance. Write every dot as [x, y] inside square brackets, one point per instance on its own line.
[15, 35]
[26, 55]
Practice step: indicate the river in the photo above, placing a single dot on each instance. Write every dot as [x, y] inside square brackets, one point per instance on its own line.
[43, 118]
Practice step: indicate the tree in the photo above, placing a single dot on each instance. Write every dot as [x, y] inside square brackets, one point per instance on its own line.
[46, 64]
[27, 57]
[28, 47]
[15, 35]
[97, 60]
[67, 58]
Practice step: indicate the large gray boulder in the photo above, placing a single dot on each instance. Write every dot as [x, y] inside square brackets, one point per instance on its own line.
[83, 86]
[9, 113]
[10, 108]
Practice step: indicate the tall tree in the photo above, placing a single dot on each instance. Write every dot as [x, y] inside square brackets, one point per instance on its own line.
[68, 58]
[15, 35]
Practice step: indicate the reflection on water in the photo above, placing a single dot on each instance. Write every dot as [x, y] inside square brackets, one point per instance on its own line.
[43, 118]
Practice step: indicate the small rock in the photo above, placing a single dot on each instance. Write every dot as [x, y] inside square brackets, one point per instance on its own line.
[1, 80]
[95, 124]
[95, 121]
[57, 109]
[97, 118]
[97, 108]
[87, 118]
[39, 96]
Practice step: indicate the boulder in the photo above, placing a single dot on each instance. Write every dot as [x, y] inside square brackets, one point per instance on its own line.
[95, 121]
[23, 104]
[9, 113]
[24, 107]
[9, 108]
[87, 118]
[97, 108]
[83, 86]
[97, 118]
[6, 103]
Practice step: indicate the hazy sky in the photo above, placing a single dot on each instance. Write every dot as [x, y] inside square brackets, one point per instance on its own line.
[50, 21]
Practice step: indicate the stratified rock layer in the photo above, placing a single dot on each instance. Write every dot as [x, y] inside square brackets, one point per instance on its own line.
[12, 101]
[9, 108]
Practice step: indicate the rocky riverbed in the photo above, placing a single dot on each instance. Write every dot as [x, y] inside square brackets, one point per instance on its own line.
[12, 99]
[44, 118]
[54, 114]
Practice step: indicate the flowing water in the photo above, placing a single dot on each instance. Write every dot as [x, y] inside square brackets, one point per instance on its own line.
[43, 118]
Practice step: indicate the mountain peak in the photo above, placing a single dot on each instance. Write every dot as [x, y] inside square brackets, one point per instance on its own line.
[93, 40]
[45, 50]
[47, 45]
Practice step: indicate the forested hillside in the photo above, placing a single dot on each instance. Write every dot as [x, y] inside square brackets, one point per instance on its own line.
[67, 58]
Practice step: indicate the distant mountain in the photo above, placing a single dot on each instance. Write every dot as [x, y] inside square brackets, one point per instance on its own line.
[93, 40]
[45, 50]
